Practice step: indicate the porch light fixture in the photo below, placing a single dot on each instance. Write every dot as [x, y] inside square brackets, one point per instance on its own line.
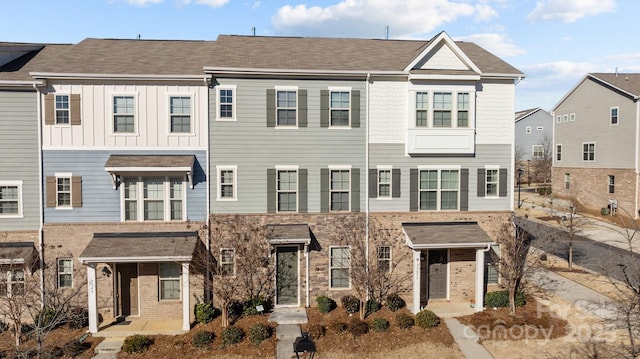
[106, 271]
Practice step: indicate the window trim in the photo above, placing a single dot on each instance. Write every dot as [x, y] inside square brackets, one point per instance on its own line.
[486, 181]
[611, 184]
[297, 190]
[558, 152]
[588, 152]
[55, 110]
[297, 108]
[232, 263]
[390, 183]
[539, 128]
[527, 130]
[234, 95]
[331, 190]
[541, 152]
[565, 118]
[388, 260]
[572, 117]
[140, 199]
[6, 277]
[17, 184]
[451, 110]
[559, 119]
[219, 170]
[439, 169]
[348, 108]
[169, 279]
[191, 97]
[331, 268]
[567, 181]
[68, 176]
[61, 273]
[425, 109]
[135, 114]
[617, 116]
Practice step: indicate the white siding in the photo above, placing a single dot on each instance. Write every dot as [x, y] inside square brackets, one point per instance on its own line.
[444, 59]
[152, 117]
[388, 112]
[494, 113]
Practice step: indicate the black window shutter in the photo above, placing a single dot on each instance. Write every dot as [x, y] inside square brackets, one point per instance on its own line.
[413, 190]
[271, 190]
[502, 191]
[302, 108]
[271, 108]
[355, 108]
[482, 177]
[373, 183]
[464, 189]
[324, 190]
[395, 182]
[324, 108]
[355, 190]
[302, 190]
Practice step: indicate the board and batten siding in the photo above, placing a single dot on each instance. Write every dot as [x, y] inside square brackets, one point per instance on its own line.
[100, 202]
[615, 144]
[486, 155]
[151, 116]
[19, 160]
[254, 148]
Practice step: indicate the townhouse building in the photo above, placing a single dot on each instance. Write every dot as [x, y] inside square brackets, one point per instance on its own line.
[534, 142]
[596, 142]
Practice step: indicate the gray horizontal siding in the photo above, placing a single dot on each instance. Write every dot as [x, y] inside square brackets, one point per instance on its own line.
[394, 154]
[100, 202]
[526, 141]
[254, 147]
[19, 150]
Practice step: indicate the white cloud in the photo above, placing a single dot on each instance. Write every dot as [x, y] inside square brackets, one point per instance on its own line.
[569, 10]
[362, 18]
[495, 43]
[143, 2]
[211, 3]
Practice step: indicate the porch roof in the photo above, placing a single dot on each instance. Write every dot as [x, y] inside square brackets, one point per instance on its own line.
[117, 165]
[140, 247]
[288, 234]
[16, 252]
[445, 235]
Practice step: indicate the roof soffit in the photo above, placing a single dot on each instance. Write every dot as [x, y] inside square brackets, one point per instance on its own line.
[443, 49]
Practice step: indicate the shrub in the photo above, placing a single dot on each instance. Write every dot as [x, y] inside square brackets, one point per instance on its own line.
[3, 328]
[338, 326]
[427, 319]
[372, 306]
[205, 312]
[46, 317]
[79, 318]
[232, 335]
[316, 331]
[259, 332]
[350, 303]
[235, 310]
[73, 348]
[404, 320]
[136, 344]
[325, 304]
[358, 327]
[395, 302]
[380, 325]
[202, 339]
[500, 298]
[544, 191]
[251, 304]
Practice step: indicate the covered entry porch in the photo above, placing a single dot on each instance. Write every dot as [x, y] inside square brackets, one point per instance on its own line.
[448, 262]
[144, 275]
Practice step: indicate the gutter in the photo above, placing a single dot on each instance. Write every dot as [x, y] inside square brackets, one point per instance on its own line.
[366, 178]
[40, 191]
[94, 76]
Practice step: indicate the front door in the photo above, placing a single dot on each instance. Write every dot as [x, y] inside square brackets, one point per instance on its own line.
[127, 288]
[287, 276]
[437, 273]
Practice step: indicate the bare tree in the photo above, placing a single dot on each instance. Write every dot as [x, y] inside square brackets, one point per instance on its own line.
[542, 165]
[572, 225]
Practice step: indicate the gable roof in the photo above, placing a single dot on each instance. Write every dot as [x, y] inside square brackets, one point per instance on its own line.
[628, 84]
[526, 113]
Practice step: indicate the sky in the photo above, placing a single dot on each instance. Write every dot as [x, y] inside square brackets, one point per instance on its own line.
[554, 42]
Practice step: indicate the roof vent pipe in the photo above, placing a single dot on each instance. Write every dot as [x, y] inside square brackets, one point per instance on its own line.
[386, 32]
[253, 30]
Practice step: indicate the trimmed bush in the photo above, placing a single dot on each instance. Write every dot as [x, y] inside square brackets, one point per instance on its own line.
[136, 344]
[350, 303]
[259, 332]
[358, 327]
[251, 304]
[404, 320]
[205, 312]
[79, 318]
[500, 298]
[380, 325]
[325, 304]
[544, 191]
[317, 331]
[427, 319]
[372, 306]
[45, 317]
[232, 335]
[395, 302]
[235, 310]
[202, 339]
[338, 326]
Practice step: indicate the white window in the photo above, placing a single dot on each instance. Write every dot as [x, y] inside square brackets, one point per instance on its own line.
[442, 109]
[558, 119]
[12, 282]
[572, 117]
[339, 108]
[537, 152]
[438, 189]
[422, 109]
[384, 259]
[558, 153]
[463, 109]
[611, 180]
[287, 108]
[63, 191]
[65, 273]
[287, 190]
[340, 263]
[180, 114]
[169, 278]
[492, 262]
[567, 181]
[227, 262]
[153, 198]
[124, 114]
[613, 115]
[491, 182]
[62, 109]
[340, 190]
[384, 183]
[589, 152]
[565, 118]
[539, 128]
[528, 130]
[226, 96]
[227, 183]
[10, 199]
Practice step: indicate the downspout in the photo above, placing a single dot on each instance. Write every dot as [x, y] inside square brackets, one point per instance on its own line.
[40, 195]
[306, 270]
[207, 239]
[366, 179]
[636, 213]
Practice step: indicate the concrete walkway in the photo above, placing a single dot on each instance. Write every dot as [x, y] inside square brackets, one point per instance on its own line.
[109, 348]
[288, 329]
[467, 340]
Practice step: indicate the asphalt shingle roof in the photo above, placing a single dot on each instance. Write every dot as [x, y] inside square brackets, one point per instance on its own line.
[629, 82]
[445, 233]
[140, 245]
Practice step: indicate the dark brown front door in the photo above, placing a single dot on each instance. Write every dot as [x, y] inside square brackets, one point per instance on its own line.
[127, 288]
[437, 273]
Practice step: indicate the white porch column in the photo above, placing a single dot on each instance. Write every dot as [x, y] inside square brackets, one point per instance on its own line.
[416, 281]
[93, 298]
[479, 279]
[186, 307]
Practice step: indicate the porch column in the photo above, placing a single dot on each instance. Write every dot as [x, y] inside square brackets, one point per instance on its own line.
[479, 279]
[416, 281]
[186, 320]
[93, 298]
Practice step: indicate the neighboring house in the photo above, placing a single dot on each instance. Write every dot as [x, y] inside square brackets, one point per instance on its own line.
[596, 142]
[289, 143]
[534, 139]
